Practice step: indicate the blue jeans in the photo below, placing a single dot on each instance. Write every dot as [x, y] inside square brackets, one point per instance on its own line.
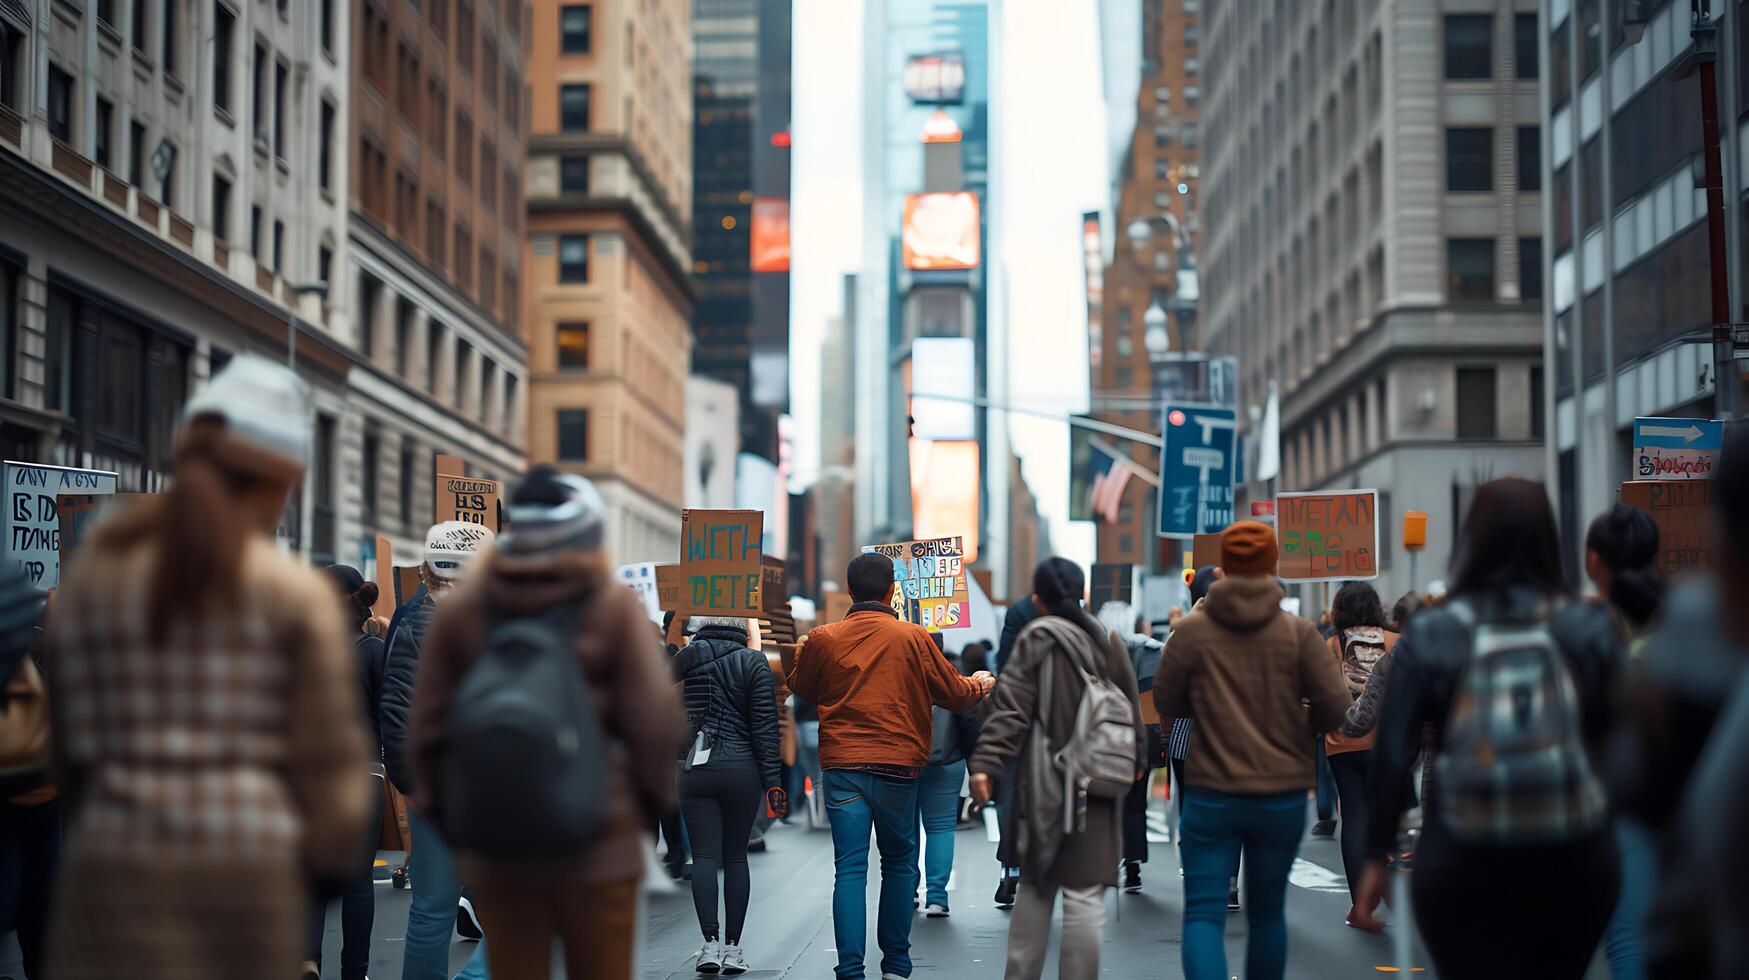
[1625, 940]
[431, 916]
[857, 802]
[938, 807]
[1217, 828]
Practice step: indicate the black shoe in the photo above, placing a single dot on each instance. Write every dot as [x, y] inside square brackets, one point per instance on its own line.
[399, 878]
[1005, 891]
[1132, 877]
[466, 922]
[756, 846]
[1324, 828]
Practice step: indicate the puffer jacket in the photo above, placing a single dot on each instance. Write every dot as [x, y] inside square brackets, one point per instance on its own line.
[400, 670]
[728, 692]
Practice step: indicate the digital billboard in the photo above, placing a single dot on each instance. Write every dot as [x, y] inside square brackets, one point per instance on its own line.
[936, 79]
[770, 236]
[941, 231]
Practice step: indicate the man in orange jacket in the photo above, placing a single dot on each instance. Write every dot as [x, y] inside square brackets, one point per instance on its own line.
[874, 680]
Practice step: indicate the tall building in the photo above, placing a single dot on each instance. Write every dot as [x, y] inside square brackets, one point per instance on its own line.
[1629, 311]
[608, 295]
[433, 253]
[740, 206]
[1149, 288]
[1371, 246]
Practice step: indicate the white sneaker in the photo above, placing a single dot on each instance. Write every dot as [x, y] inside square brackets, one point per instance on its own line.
[710, 957]
[734, 960]
[936, 911]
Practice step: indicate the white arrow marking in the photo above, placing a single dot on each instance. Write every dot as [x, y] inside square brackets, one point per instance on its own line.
[1688, 434]
[1210, 423]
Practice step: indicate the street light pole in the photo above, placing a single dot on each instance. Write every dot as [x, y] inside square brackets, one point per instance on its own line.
[1705, 32]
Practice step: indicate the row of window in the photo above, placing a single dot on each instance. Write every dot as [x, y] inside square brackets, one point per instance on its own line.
[269, 129]
[408, 344]
[1469, 159]
[1469, 46]
[1470, 265]
[406, 66]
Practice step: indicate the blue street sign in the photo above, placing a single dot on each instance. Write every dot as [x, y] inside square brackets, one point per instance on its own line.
[1696, 434]
[1197, 463]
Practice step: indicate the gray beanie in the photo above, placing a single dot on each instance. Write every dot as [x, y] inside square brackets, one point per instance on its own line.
[551, 510]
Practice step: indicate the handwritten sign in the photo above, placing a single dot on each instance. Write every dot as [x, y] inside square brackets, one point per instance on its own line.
[1111, 583]
[1682, 509]
[464, 498]
[1676, 449]
[641, 578]
[33, 521]
[1330, 536]
[668, 582]
[931, 580]
[720, 562]
[771, 589]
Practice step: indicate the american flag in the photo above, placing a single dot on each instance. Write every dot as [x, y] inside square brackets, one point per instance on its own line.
[1110, 477]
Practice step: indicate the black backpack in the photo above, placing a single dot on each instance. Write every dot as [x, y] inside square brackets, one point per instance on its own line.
[523, 771]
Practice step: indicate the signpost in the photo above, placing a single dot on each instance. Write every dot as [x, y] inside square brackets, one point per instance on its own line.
[33, 520]
[1682, 509]
[1196, 471]
[931, 579]
[1331, 536]
[1676, 449]
[720, 562]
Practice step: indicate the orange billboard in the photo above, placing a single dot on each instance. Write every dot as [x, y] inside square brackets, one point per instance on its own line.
[941, 231]
[770, 235]
[944, 491]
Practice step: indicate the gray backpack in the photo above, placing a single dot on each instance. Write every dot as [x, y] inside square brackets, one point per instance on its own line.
[1099, 758]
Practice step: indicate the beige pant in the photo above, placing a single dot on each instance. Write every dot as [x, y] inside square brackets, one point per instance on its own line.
[1030, 930]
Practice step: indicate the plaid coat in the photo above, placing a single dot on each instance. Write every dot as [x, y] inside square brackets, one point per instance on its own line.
[206, 778]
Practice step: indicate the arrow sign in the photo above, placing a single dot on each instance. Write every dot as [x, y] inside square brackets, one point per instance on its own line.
[1196, 470]
[1675, 449]
[1688, 435]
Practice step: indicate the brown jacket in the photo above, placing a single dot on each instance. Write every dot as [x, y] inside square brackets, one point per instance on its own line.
[627, 671]
[1244, 670]
[873, 680]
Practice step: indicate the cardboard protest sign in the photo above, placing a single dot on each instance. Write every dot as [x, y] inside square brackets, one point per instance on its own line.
[1111, 583]
[385, 579]
[641, 578]
[931, 579]
[668, 587]
[1330, 536]
[1205, 550]
[463, 498]
[33, 521]
[771, 590]
[1682, 509]
[407, 584]
[720, 553]
[837, 607]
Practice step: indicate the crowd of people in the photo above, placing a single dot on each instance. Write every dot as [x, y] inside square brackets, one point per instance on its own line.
[199, 707]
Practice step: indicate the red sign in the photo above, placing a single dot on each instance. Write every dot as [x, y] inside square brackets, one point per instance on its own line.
[769, 241]
[1262, 508]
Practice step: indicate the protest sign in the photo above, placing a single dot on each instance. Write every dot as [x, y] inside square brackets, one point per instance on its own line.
[931, 579]
[385, 579]
[771, 591]
[1111, 583]
[33, 522]
[641, 578]
[407, 582]
[1682, 509]
[1330, 536]
[720, 565]
[837, 607]
[668, 588]
[1205, 550]
[472, 501]
[1676, 449]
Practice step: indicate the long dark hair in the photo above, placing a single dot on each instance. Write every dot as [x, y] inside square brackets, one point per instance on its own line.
[1356, 604]
[1058, 583]
[1509, 539]
[1626, 541]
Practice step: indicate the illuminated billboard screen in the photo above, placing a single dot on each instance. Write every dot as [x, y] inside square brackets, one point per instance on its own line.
[770, 237]
[941, 231]
[936, 79]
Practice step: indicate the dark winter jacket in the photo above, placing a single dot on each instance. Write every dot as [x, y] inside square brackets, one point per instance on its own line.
[400, 667]
[372, 658]
[1019, 614]
[728, 692]
[956, 735]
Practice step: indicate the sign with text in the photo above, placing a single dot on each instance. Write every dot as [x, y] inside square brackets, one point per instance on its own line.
[1682, 509]
[1112, 582]
[641, 578]
[1330, 536]
[720, 554]
[467, 499]
[1196, 470]
[771, 591]
[668, 582]
[931, 579]
[1676, 449]
[79, 514]
[33, 520]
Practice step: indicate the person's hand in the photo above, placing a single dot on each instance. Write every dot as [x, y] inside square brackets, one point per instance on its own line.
[986, 681]
[776, 803]
[982, 792]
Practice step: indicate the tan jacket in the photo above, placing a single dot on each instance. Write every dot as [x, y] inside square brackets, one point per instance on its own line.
[1245, 672]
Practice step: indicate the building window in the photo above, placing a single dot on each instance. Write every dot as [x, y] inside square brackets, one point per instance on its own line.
[1470, 268]
[105, 123]
[1530, 158]
[60, 105]
[573, 435]
[574, 20]
[167, 188]
[139, 26]
[405, 315]
[574, 108]
[574, 346]
[512, 100]
[464, 257]
[11, 65]
[369, 292]
[224, 33]
[434, 228]
[255, 232]
[281, 75]
[1469, 47]
[258, 92]
[488, 176]
[464, 148]
[136, 153]
[324, 264]
[409, 467]
[368, 478]
[573, 175]
[325, 149]
[1469, 160]
[1475, 403]
[1530, 269]
[464, 36]
[573, 258]
[169, 37]
[1536, 401]
[1524, 46]
[221, 209]
[279, 246]
[434, 344]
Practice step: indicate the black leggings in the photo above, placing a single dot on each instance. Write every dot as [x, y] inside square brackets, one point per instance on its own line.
[720, 804]
[1354, 790]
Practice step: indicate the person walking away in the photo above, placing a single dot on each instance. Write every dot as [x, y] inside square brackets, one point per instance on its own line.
[1621, 552]
[1263, 688]
[1179, 730]
[543, 734]
[730, 769]
[208, 727]
[449, 548]
[1068, 701]
[30, 809]
[954, 736]
[1019, 614]
[1120, 619]
[873, 680]
[1359, 642]
[1518, 682]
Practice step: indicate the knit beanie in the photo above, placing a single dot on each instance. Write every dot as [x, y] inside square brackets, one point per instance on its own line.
[265, 411]
[550, 510]
[1248, 548]
[449, 547]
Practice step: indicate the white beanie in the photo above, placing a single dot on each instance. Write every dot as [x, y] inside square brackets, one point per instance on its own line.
[449, 547]
[264, 408]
